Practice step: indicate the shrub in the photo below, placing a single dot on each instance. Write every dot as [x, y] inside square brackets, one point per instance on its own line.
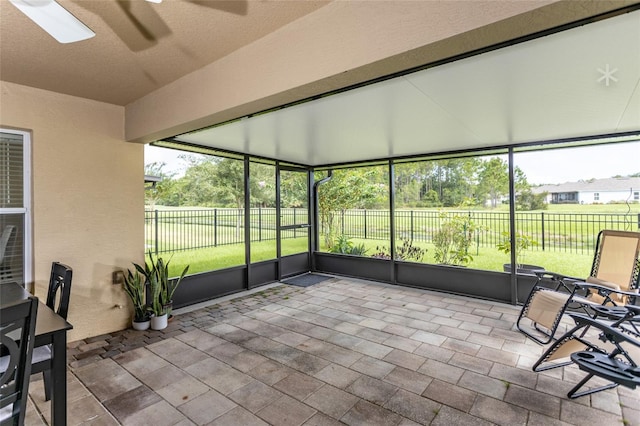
[523, 243]
[407, 251]
[527, 200]
[344, 245]
[453, 239]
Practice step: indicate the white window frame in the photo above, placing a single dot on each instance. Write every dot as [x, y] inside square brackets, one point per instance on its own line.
[27, 256]
[596, 196]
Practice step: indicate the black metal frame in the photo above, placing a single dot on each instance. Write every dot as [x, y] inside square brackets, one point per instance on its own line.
[570, 286]
[509, 288]
[616, 366]
[547, 333]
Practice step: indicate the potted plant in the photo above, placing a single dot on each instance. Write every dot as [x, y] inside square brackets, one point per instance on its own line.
[523, 243]
[134, 286]
[161, 289]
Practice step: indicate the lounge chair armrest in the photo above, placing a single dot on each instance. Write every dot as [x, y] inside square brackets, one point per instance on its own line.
[612, 334]
[562, 281]
[605, 290]
[625, 312]
[555, 276]
[626, 317]
[633, 308]
[604, 283]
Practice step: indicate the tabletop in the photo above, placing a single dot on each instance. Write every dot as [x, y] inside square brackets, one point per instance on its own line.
[47, 321]
[51, 328]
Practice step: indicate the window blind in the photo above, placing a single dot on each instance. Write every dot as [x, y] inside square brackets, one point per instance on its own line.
[12, 207]
[11, 170]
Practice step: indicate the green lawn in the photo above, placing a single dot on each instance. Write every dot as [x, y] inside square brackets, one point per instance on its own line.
[564, 233]
[213, 258]
[486, 258]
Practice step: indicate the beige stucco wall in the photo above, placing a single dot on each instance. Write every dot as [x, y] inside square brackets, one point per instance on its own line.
[88, 199]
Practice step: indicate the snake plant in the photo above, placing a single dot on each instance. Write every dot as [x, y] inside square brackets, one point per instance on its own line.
[161, 288]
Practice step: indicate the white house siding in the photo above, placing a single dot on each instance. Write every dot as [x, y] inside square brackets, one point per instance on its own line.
[604, 197]
[611, 190]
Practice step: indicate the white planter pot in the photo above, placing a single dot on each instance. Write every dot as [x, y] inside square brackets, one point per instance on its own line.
[159, 322]
[141, 325]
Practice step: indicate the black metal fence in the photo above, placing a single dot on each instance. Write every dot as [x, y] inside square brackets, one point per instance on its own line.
[568, 232]
[181, 229]
[176, 230]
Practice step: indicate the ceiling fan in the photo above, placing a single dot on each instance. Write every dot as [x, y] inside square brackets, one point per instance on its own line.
[56, 20]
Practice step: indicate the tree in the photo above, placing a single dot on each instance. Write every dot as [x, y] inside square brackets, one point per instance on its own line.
[527, 200]
[293, 189]
[493, 180]
[454, 180]
[436, 183]
[160, 190]
[411, 182]
[430, 199]
[199, 185]
[347, 189]
[454, 237]
[262, 183]
[520, 180]
[228, 182]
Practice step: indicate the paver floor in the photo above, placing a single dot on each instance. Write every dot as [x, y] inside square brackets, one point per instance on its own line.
[343, 351]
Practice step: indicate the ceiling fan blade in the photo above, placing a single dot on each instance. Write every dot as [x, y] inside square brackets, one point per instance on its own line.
[54, 19]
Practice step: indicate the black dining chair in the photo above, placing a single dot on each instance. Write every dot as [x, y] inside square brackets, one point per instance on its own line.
[7, 251]
[18, 327]
[58, 297]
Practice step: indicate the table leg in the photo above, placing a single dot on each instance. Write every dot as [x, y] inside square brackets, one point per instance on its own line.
[59, 376]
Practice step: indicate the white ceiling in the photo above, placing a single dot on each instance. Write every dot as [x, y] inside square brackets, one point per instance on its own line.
[545, 89]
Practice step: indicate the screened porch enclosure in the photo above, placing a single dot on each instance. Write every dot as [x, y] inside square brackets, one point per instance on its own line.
[297, 241]
[491, 108]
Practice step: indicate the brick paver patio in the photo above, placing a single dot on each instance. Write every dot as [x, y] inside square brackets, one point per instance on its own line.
[343, 351]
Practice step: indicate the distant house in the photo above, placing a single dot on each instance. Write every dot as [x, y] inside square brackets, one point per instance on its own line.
[594, 191]
[151, 180]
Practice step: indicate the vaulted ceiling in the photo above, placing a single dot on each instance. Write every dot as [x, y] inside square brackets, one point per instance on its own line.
[139, 46]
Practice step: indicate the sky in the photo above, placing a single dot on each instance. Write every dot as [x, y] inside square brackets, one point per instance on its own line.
[153, 154]
[540, 167]
[573, 164]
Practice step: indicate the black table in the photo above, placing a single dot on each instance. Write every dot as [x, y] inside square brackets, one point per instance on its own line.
[50, 329]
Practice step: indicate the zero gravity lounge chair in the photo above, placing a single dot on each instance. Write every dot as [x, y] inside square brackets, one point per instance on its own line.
[613, 281]
[614, 357]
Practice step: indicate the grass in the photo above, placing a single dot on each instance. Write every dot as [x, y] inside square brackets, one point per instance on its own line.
[485, 258]
[221, 257]
[489, 258]
[565, 226]
[633, 207]
[576, 263]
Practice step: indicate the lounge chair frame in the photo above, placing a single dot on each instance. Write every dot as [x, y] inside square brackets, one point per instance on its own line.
[617, 366]
[614, 285]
